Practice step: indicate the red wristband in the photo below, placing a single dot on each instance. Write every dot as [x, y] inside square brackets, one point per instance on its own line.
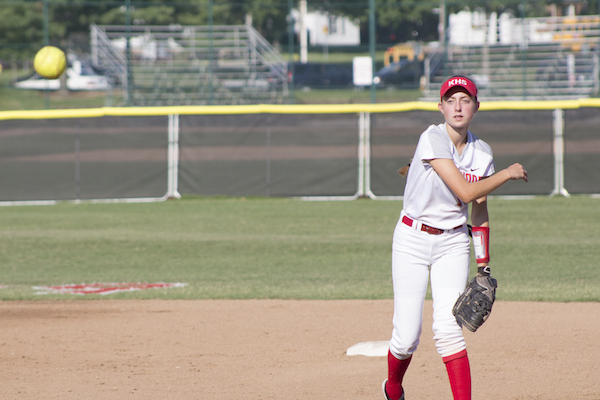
[481, 243]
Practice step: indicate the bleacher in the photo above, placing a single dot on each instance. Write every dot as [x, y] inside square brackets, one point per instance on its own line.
[558, 61]
[191, 65]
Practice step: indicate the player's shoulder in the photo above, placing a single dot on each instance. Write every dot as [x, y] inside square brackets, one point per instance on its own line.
[436, 131]
[479, 144]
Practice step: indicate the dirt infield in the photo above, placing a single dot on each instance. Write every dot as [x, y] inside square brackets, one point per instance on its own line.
[277, 349]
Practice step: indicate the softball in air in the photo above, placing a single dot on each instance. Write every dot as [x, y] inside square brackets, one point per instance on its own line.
[50, 62]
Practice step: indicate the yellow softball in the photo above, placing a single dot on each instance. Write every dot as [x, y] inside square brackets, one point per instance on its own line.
[50, 62]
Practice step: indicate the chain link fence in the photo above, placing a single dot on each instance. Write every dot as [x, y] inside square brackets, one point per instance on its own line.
[313, 152]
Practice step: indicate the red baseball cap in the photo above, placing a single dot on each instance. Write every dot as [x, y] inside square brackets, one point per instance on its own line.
[459, 81]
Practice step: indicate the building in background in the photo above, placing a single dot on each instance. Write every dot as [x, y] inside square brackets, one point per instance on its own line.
[326, 29]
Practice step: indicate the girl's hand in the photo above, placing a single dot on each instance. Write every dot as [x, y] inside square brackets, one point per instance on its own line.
[517, 171]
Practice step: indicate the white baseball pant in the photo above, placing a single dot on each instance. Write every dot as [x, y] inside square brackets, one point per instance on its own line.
[414, 255]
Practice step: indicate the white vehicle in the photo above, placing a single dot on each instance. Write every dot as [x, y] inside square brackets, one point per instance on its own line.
[83, 77]
[79, 77]
[37, 82]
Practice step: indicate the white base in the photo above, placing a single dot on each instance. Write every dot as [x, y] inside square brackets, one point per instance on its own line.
[369, 349]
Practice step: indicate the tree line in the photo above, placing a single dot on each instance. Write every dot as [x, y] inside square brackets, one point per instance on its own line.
[22, 26]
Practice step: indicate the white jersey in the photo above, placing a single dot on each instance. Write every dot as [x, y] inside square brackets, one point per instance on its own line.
[427, 198]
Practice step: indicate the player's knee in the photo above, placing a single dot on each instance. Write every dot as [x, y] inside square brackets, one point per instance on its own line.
[402, 351]
[449, 343]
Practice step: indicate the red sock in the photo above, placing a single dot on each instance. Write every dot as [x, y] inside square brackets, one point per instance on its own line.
[459, 373]
[396, 370]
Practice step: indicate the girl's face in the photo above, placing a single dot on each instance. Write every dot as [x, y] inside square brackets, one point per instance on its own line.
[458, 110]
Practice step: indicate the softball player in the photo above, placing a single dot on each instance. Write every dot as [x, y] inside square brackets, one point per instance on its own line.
[451, 169]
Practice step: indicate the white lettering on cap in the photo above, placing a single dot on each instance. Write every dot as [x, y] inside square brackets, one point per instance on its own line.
[457, 81]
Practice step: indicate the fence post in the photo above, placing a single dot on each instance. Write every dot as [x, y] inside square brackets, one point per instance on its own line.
[559, 154]
[367, 149]
[173, 158]
[361, 154]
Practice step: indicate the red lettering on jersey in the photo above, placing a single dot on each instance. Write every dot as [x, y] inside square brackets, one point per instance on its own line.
[471, 177]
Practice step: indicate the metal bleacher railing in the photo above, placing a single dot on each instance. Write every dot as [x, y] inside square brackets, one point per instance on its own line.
[191, 65]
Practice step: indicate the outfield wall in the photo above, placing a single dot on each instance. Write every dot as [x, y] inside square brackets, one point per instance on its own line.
[311, 151]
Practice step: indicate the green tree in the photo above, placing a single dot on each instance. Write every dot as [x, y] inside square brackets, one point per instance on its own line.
[407, 20]
[269, 18]
[21, 22]
[21, 30]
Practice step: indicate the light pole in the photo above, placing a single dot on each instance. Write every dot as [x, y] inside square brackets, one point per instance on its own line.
[210, 53]
[128, 51]
[523, 51]
[372, 45]
[291, 48]
[598, 54]
[46, 43]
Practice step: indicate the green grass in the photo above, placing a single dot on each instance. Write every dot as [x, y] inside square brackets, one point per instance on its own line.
[19, 99]
[339, 57]
[547, 249]
[544, 249]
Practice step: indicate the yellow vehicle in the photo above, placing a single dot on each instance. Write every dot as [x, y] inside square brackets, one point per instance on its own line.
[408, 50]
[403, 66]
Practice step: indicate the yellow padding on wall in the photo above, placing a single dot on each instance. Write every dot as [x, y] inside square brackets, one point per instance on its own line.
[538, 105]
[287, 109]
[219, 110]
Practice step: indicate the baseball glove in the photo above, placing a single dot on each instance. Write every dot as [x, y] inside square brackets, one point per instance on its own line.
[474, 305]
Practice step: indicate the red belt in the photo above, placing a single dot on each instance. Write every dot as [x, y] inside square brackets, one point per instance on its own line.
[426, 228]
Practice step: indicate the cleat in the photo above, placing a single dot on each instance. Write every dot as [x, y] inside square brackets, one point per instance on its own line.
[385, 393]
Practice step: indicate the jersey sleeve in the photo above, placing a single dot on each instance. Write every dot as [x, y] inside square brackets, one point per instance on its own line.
[488, 159]
[491, 169]
[434, 143]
